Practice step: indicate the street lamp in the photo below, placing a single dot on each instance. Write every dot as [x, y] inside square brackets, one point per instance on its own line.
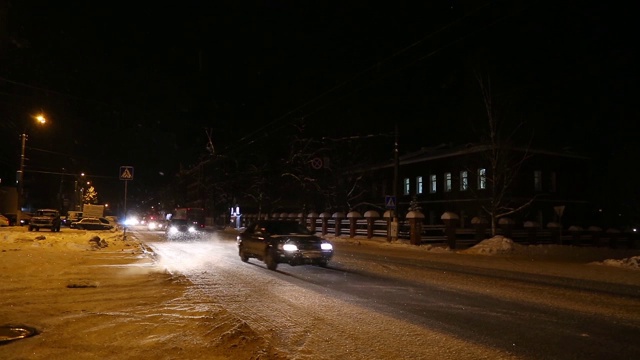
[23, 139]
[76, 193]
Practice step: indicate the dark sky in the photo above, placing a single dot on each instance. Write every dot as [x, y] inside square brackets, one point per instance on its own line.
[130, 84]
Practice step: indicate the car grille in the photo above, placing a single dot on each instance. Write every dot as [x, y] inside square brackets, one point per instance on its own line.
[308, 246]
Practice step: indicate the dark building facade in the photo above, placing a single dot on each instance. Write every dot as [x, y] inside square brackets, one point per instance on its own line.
[545, 186]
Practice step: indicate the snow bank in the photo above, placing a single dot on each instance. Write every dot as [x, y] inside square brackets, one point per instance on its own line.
[496, 245]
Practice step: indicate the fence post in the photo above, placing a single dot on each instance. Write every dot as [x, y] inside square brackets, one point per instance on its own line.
[371, 218]
[506, 224]
[415, 227]
[312, 221]
[353, 217]
[596, 233]
[325, 220]
[632, 240]
[555, 229]
[480, 224]
[338, 216]
[532, 231]
[575, 232]
[614, 234]
[450, 220]
[387, 215]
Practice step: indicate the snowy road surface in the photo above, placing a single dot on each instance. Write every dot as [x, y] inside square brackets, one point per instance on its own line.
[377, 302]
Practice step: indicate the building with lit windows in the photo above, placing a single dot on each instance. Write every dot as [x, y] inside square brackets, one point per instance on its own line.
[461, 180]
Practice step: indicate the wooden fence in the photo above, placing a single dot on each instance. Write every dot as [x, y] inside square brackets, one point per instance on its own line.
[456, 237]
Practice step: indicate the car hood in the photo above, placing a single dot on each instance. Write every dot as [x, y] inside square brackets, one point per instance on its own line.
[299, 238]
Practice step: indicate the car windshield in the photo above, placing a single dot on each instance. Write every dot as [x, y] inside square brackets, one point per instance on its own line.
[46, 213]
[179, 222]
[284, 228]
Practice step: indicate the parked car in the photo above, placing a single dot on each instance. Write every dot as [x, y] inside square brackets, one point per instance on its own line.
[4, 221]
[71, 217]
[181, 228]
[89, 223]
[45, 219]
[25, 218]
[109, 220]
[283, 241]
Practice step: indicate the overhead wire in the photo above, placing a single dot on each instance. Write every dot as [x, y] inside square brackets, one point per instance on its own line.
[374, 66]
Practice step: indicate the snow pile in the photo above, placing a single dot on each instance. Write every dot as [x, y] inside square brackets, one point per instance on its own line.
[496, 245]
[630, 263]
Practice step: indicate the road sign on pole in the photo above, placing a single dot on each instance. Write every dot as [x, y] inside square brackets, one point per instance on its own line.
[390, 202]
[126, 172]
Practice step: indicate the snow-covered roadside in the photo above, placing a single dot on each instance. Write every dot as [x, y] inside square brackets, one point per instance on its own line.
[94, 295]
[502, 246]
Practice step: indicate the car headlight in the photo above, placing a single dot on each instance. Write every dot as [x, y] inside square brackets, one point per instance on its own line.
[191, 229]
[173, 230]
[326, 246]
[289, 247]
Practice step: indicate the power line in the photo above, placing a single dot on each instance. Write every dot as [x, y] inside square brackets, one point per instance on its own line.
[374, 66]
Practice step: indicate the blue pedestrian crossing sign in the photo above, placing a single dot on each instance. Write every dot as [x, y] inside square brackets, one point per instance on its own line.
[390, 202]
[126, 172]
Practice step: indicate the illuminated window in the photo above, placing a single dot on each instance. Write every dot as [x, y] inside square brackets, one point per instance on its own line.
[419, 185]
[482, 178]
[407, 186]
[464, 180]
[433, 184]
[447, 182]
[537, 180]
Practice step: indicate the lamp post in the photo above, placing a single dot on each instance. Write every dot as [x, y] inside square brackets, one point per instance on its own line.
[23, 140]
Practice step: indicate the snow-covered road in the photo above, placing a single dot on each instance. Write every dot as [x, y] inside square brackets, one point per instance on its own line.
[380, 302]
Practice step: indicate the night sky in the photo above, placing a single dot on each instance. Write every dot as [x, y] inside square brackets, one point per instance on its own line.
[126, 84]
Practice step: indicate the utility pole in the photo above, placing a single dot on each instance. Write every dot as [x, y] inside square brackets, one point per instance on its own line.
[396, 165]
[23, 139]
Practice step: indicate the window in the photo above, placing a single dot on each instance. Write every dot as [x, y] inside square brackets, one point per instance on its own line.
[447, 182]
[553, 182]
[407, 186]
[482, 178]
[419, 185]
[432, 184]
[464, 180]
[537, 180]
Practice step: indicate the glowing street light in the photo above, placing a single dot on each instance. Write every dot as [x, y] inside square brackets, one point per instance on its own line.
[23, 139]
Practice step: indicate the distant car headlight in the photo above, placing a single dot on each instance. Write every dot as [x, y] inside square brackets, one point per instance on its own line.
[152, 225]
[289, 247]
[173, 230]
[191, 229]
[131, 221]
[326, 246]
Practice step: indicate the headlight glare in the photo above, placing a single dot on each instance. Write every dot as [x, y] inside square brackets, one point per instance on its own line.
[289, 247]
[326, 246]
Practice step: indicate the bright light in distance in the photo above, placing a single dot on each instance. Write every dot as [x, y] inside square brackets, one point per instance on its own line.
[131, 221]
[326, 246]
[173, 230]
[192, 229]
[289, 247]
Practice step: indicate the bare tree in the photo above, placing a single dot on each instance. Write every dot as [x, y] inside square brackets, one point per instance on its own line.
[505, 161]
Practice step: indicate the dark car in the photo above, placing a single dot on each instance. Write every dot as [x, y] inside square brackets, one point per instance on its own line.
[91, 224]
[182, 228]
[283, 241]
